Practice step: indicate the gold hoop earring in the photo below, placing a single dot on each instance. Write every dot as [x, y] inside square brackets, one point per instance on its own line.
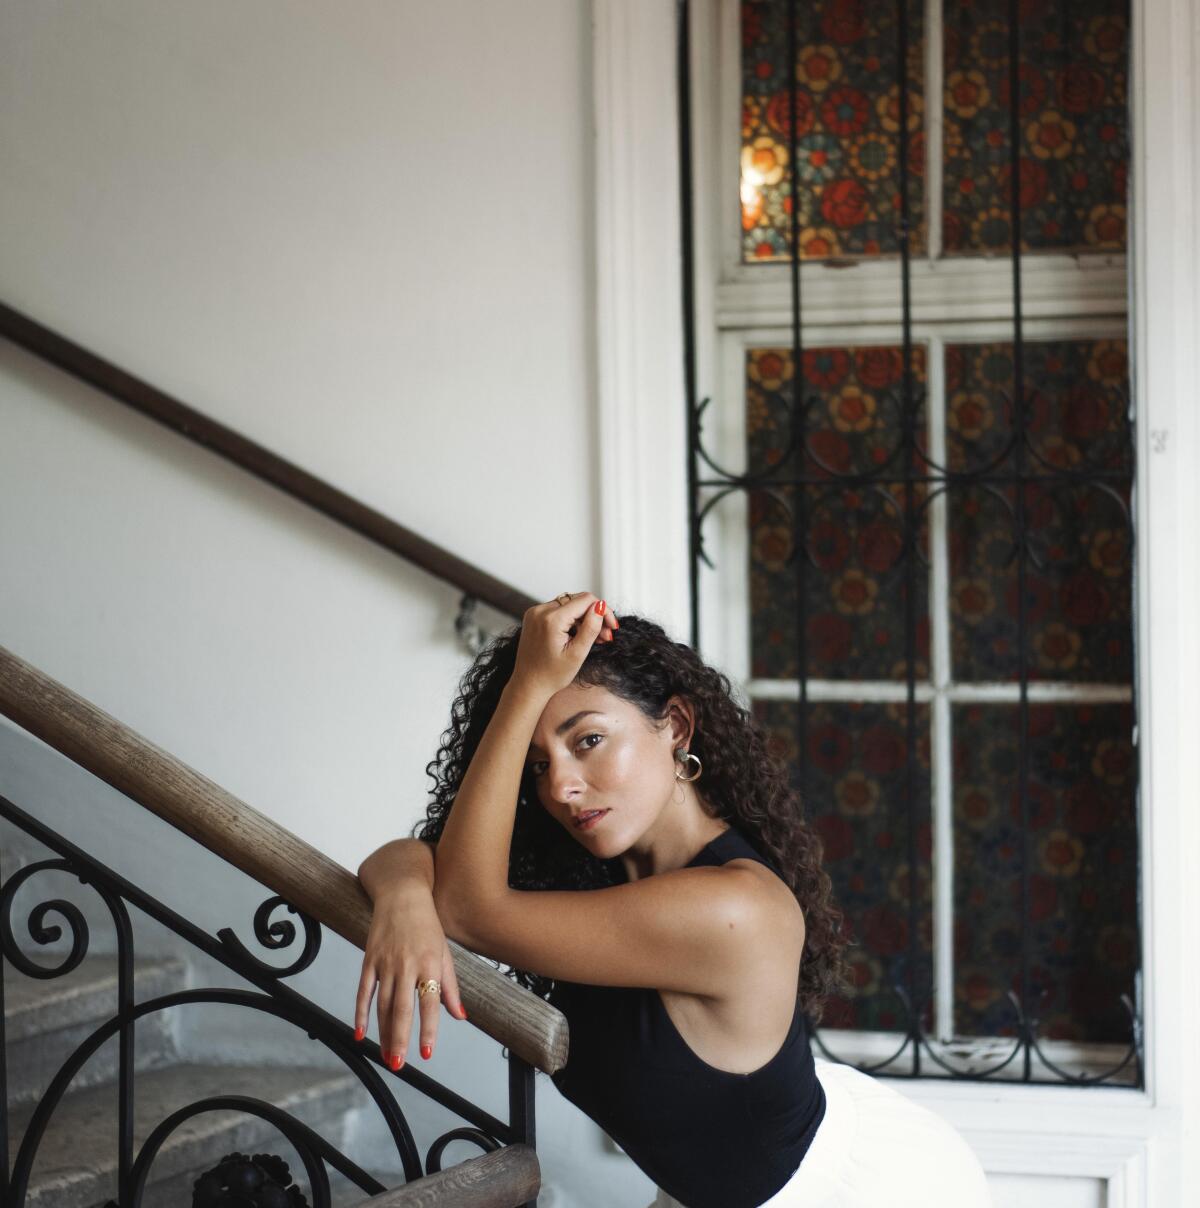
[682, 756]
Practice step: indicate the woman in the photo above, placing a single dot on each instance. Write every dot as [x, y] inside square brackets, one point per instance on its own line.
[590, 754]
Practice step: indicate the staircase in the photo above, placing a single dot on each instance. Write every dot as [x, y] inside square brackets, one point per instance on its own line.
[76, 1165]
[44, 1020]
[62, 1079]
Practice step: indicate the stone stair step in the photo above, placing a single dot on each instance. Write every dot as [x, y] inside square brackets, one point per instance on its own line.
[76, 1165]
[45, 1019]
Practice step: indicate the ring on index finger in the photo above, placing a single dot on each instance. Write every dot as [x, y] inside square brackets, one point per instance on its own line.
[563, 598]
[429, 986]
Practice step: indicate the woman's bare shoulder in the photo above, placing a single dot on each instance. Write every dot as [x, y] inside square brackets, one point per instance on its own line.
[773, 895]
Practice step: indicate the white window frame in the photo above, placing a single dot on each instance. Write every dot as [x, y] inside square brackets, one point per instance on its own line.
[1132, 1140]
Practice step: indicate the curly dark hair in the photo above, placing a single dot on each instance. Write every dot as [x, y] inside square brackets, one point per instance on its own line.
[743, 782]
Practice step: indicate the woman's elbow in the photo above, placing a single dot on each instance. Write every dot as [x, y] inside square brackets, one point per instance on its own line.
[454, 915]
[443, 901]
[366, 864]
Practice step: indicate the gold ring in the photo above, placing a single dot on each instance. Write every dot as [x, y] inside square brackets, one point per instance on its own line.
[428, 986]
[563, 598]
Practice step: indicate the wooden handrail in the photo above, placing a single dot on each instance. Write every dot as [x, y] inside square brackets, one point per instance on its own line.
[507, 1177]
[261, 462]
[305, 877]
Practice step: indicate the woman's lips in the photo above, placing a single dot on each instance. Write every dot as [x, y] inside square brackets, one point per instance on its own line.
[589, 819]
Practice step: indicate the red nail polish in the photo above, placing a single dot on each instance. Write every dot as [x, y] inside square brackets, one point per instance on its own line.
[616, 623]
[359, 1033]
[463, 1010]
[427, 1051]
[599, 607]
[394, 1062]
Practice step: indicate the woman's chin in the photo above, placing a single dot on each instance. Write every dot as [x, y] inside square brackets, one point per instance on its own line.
[599, 838]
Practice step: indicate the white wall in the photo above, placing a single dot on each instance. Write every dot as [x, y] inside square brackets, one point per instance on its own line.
[360, 234]
[363, 235]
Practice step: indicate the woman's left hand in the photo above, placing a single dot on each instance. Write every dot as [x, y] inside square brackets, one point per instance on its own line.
[556, 638]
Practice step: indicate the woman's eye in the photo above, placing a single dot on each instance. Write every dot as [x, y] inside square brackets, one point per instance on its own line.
[536, 769]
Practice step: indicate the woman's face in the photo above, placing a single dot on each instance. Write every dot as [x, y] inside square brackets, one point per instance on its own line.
[595, 751]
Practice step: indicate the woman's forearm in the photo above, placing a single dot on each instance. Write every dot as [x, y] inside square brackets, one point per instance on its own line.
[401, 866]
[473, 850]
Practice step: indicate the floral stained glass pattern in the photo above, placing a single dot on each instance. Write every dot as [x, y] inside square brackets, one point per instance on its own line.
[1078, 607]
[1082, 852]
[856, 572]
[1073, 122]
[1031, 545]
[858, 764]
[847, 130]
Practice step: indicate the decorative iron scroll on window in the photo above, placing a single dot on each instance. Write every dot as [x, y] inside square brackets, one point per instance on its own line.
[927, 515]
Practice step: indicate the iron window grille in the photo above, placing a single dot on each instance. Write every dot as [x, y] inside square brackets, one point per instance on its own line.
[948, 664]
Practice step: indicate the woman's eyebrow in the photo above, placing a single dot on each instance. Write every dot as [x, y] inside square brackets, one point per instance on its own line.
[564, 726]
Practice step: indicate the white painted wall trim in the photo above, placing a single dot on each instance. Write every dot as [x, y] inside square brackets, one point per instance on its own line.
[639, 322]
[1165, 286]
[1135, 1143]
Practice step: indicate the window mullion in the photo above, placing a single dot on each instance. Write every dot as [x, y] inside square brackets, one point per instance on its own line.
[941, 674]
[933, 129]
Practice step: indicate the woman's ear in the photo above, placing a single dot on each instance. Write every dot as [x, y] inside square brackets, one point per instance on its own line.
[682, 718]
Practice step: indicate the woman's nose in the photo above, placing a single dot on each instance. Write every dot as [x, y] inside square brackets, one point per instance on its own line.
[564, 784]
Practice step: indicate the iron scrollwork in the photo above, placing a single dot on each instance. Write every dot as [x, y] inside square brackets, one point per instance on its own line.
[362, 1058]
[794, 482]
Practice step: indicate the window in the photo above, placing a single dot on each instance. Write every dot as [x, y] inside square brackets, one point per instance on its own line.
[914, 540]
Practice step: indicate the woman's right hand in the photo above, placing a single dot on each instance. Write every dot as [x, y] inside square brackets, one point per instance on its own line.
[406, 945]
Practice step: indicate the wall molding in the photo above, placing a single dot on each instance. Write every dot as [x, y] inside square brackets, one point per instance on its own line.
[639, 313]
[1165, 286]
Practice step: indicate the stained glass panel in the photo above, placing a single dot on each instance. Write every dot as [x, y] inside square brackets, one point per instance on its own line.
[1078, 573]
[1032, 552]
[1073, 121]
[847, 127]
[856, 580]
[858, 763]
[1082, 845]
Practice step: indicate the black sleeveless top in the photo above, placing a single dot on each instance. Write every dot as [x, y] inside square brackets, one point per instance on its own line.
[708, 1137]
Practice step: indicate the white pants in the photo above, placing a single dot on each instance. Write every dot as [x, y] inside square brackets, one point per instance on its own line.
[876, 1148]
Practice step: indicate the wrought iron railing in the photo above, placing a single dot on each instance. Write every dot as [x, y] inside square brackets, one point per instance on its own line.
[306, 884]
